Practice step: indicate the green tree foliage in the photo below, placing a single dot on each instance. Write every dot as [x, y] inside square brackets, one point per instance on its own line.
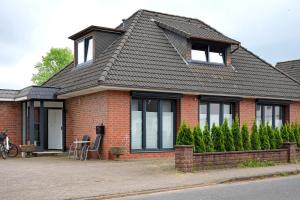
[264, 138]
[229, 142]
[255, 140]
[285, 133]
[278, 138]
[238, 140]
[54, 61]
[271, 135]
[184, 136]
[246, 137]
[218, 138]
[291, 129]
[209, 147]
[199, 146]
[297, 134]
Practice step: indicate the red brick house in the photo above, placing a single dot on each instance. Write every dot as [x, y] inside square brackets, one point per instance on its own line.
[141, 79]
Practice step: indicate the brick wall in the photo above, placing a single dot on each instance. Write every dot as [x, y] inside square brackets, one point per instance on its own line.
[10, 119]
[188, 112]
[247, 110]
[294, 112]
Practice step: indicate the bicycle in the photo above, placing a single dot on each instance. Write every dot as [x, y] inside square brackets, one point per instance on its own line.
[7, 148]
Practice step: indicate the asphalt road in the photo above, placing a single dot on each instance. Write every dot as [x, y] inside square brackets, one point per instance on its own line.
[284, 188]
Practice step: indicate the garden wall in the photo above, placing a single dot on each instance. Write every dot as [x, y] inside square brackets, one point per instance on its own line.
[186, 160]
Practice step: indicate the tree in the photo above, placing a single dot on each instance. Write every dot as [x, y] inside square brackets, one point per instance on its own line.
[238, 140]
[291, 129]
[199, 146]
[278, 138]
[218, 138]
[246, 137]
[264, 138]
[255, 140]
[54, 61]
[209, 147]
[285, 133]
[229, 142]
[272, 140]
[185, 136]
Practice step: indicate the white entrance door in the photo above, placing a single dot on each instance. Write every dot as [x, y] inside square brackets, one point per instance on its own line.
[55, 129]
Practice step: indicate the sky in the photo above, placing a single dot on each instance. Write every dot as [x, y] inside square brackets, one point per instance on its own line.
[29, 28]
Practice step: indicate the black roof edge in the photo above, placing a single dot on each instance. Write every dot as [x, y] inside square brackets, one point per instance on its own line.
[95, 28]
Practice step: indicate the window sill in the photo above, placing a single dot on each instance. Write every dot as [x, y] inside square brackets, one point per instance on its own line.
[151, 150]
[87, 63]
[204, 62]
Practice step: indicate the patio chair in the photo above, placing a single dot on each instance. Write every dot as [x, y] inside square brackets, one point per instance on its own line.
[77, 148]
[93, 148]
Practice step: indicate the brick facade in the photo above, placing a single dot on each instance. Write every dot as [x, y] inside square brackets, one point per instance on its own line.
[10, 119]
[189, 110]
[246, 109]
[294, 112]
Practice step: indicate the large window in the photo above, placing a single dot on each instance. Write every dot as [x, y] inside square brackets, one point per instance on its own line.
[215, 113]
[152, 124]
[271, 114]
[208, 53]
[84, 50]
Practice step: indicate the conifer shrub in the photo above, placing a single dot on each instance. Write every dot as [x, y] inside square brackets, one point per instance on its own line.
[218, 138]
[209, 147]
[278, 138]
[236, 132]
[199, 146]
[271, 135]
[229, 142]
[264, 138]
[185, 135]
[291, 130]
[255, 140]
[285, 133]
[297, 134]
[246, 137]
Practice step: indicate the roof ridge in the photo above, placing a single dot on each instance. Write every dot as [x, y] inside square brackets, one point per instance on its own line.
[119, 48]
[288, 61]
[270, 65]
[192, 19]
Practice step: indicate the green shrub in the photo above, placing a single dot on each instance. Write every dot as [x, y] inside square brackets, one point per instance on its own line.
[297, 134]
[236, 132]
[278, 138]
[199, 146]
[246, 137]
[185, 136]
[264, 138]
[285, 133]
[272, 140]
[209, 147]
[291, 129]
[255, 140]
[229, 142]
[218, 138]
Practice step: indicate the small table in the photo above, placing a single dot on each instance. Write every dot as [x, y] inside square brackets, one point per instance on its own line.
[77, 149]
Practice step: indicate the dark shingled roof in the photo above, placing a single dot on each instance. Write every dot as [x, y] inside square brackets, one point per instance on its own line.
[8, 94]
[291, 67]
[145, 57]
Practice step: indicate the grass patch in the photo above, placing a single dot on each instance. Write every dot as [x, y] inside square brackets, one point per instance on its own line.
[256, 163]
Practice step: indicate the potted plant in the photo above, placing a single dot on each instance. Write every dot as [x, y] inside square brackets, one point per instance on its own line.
[117, 152]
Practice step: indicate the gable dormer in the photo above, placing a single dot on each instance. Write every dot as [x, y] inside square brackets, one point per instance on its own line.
[91, 42]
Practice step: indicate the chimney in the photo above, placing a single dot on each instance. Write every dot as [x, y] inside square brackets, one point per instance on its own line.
[123, 23]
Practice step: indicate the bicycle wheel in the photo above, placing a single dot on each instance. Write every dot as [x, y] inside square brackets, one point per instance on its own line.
[3, 152]
[13, 151]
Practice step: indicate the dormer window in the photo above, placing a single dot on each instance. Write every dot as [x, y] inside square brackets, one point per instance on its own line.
[84, 50]
[207, 53]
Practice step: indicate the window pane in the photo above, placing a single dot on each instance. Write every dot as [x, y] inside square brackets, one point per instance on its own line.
[216, 57]
[203, 115]
[80, 52]
[136, 124]
[258, 114]
[268, 114]
[89, 54]
[167, 124]
[198, 55]
[151, 124]
[278, 116]
[228, 113]
[214, 109]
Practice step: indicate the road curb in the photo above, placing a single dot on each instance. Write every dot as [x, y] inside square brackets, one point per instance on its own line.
[157, 190]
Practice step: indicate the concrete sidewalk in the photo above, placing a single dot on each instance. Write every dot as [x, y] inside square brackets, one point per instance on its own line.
[60, 178]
